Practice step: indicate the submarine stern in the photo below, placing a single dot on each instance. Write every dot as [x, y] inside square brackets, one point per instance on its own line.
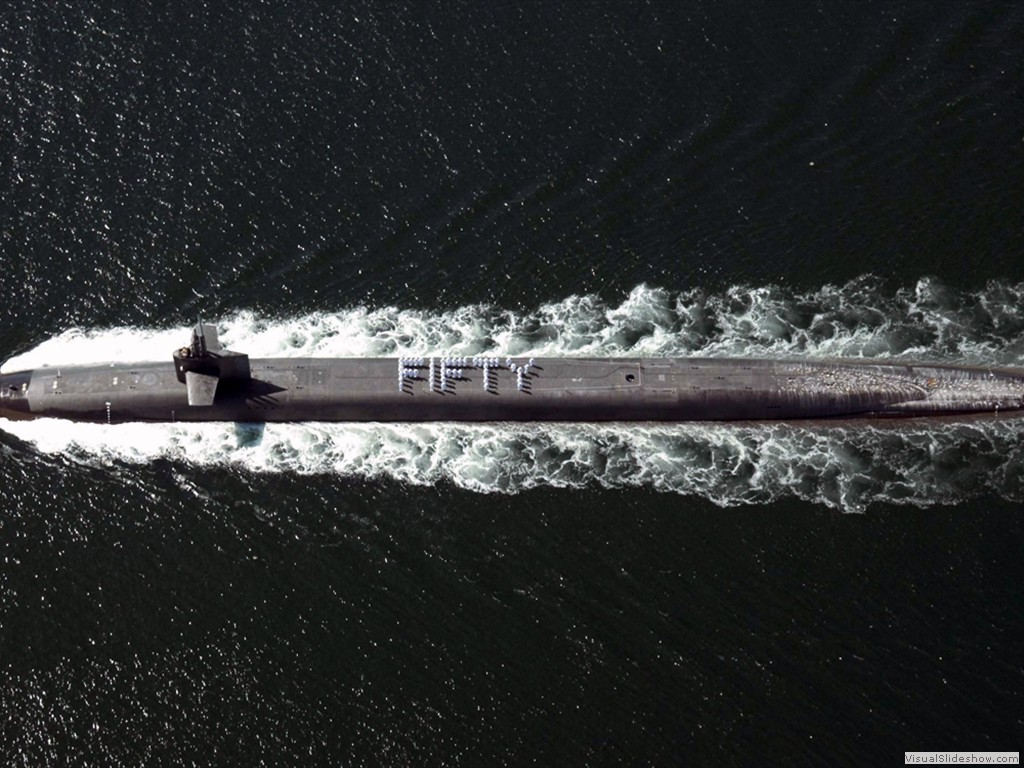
[954, 390]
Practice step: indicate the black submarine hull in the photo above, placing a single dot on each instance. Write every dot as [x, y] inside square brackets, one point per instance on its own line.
[482, 389]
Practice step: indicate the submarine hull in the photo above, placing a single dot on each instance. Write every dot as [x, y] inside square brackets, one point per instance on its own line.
[491, 389]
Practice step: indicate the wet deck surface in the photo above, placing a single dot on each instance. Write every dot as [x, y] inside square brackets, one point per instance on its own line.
[522, 389]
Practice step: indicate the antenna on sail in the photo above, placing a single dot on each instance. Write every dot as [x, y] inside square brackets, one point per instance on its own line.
[199, 338]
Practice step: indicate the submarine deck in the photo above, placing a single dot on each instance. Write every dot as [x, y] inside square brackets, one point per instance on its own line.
[521, 389]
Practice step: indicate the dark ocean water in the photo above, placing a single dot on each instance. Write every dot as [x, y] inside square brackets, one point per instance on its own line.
[756, 178]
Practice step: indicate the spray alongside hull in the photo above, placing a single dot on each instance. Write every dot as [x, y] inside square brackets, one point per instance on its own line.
[205, 382]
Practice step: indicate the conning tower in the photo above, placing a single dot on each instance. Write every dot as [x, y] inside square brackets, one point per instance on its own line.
[205, 366]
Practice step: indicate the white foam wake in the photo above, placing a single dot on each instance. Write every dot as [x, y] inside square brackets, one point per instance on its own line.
[843, 467]
[859, 319]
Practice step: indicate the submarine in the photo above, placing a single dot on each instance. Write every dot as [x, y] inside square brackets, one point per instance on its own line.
[203, 381]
